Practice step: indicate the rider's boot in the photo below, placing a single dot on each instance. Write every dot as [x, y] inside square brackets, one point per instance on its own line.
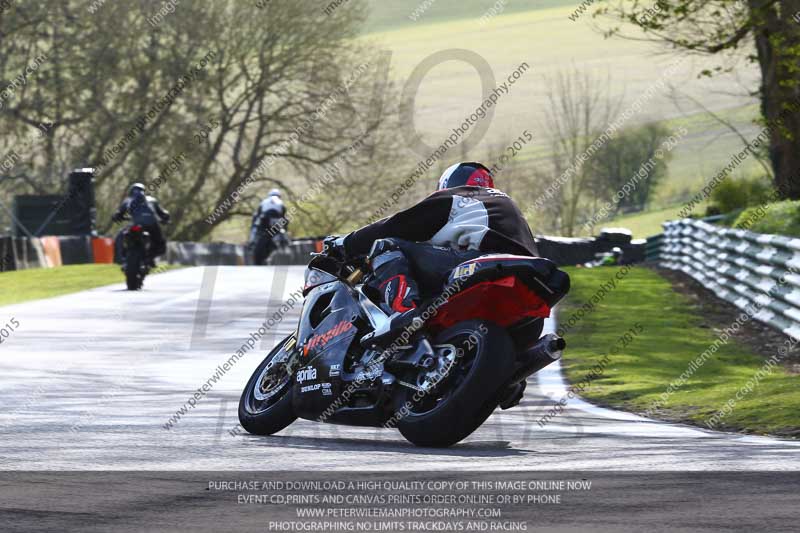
[399, 295]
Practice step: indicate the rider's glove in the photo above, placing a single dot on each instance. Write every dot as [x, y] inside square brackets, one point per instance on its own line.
[333, 246]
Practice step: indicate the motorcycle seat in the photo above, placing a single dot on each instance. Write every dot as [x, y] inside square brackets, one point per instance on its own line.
[537, 273]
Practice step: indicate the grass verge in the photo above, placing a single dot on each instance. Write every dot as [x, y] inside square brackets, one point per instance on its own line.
[25, 285]
[655, 369]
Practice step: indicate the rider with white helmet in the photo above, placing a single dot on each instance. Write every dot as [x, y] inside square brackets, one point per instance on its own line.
[268, 221]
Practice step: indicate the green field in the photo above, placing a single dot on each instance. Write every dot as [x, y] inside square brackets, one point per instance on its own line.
[648, 223]
[544, 37]
[669, 338]
[24, 285]
[541, 34]
[398, 13]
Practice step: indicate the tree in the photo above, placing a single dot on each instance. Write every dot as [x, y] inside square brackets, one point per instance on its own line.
[579, 110]
[208, 106]
[767, 29]
[631, 159]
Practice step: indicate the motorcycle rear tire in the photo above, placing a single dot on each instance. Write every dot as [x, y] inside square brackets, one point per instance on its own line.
[133, 270]
[474, 399]
[263, 249]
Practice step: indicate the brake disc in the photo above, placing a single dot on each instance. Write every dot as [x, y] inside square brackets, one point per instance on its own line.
[444, 359]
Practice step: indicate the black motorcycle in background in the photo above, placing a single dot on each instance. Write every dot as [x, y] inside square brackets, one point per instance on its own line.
[135, 256]
[132, 250]
[267, 244]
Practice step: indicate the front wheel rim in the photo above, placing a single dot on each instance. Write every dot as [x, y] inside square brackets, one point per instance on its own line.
[272, 384]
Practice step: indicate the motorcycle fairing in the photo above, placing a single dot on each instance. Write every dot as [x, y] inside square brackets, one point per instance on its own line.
[326, 333]
[315, 277]
[332, 321]
[502, 301]
[540, 275]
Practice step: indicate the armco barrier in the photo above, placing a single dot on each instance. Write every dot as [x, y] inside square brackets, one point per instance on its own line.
[25, 253]
[20, 253]
[753, 271]
[652, 249]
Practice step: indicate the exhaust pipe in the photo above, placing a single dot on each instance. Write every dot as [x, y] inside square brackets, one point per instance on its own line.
[546, 350]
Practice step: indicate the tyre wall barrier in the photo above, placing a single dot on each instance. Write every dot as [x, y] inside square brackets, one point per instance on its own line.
[76, 250]
[758, 273]
[297, 253]
[103, 249]
[22, 253]
[564, 251]
[52, 251]
[204, 254]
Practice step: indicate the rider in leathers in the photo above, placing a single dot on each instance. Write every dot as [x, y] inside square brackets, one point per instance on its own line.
[145, 211]
[268, 220]
[413, 252]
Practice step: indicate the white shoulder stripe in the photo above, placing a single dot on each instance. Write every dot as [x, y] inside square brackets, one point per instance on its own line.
[466, 225]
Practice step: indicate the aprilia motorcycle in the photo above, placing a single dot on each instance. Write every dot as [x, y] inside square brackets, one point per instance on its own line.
[469, 351]
[136, 250]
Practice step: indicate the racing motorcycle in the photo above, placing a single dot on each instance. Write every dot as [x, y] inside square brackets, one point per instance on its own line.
[266, 244]
[469, 351]
[135, 261]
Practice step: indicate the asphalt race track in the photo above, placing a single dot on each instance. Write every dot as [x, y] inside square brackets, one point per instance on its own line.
[91, 379]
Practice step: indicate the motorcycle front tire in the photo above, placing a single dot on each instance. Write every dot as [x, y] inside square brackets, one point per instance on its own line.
[276, 416]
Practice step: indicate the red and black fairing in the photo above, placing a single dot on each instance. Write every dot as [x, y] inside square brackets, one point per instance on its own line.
[509, 290]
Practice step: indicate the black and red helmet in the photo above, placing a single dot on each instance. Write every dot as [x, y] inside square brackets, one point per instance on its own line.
[471, 173]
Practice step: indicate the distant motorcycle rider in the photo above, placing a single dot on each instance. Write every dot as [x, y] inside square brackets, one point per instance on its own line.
[268, 221]
[413, 252]
[145, 211]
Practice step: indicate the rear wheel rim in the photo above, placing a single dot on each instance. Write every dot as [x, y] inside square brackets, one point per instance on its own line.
[455, 377]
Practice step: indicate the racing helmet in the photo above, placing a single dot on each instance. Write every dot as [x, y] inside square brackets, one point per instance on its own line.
[136, 186]
[470, 173]
[274, 192]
